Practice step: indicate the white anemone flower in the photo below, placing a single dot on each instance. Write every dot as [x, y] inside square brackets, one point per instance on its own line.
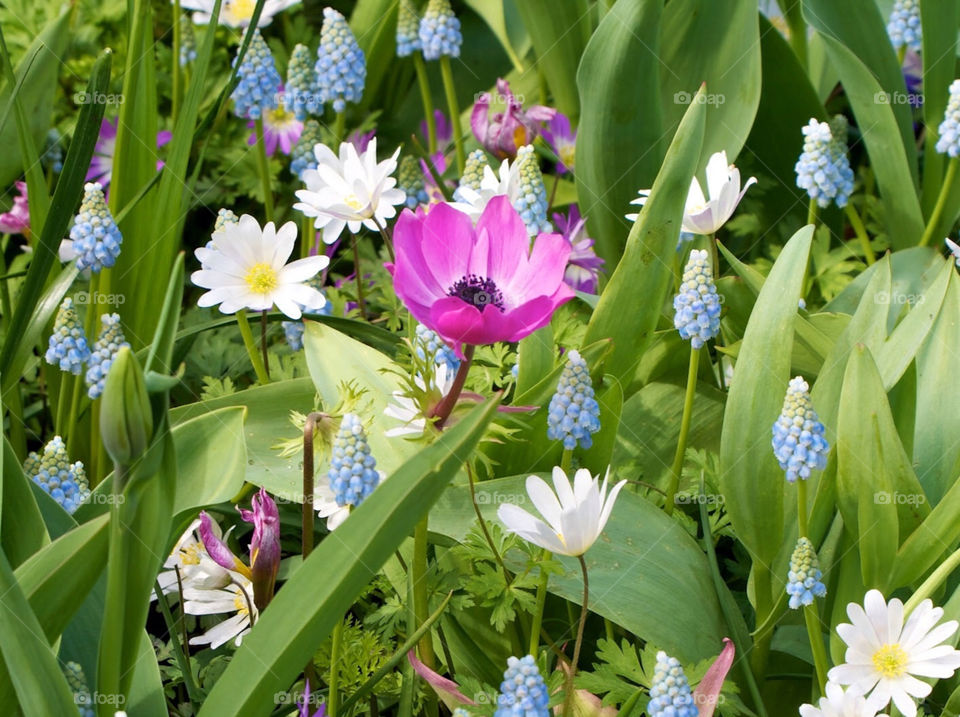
[885, 657]
[408, 412]
[575, 516]
[839, 703]
[327, 506]
[702, 215]
[196, 568]
[350, 190]
[504, 182]
[236, 598]
[954, 250]
[245, 268]
[235, 13]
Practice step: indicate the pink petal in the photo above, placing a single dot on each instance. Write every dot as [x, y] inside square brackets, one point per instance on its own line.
[447, 690]
[508, 251]
[707, 692]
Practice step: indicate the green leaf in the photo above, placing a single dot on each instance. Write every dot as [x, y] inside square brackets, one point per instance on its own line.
[40, 686]
[535, 359]
[24, 536]
[923, 548]
[374, 23]
[751, 481]
[645, 273]
[65, 199]
[619, 147]
[642, 558]
[290, 629]
[146, 689]
[160, 357]
[500, 16]
[610, 398]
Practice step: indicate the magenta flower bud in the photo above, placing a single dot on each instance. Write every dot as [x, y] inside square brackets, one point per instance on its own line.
[217, 549]
[264, 546]
[506, 131]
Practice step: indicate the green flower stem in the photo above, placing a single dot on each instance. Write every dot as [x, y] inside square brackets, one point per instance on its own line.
[801, 508]
[110, 661]
[340, 127]
[72, 416]
[483, 525]
[427, 100]
[566, 460]
[937, 577]
[812, 212]
[307, 232]
[333, 699]
[763, 590]
[178, 650]
[941, 205]
[420, 594]
[358, 273]
[263, 343]
[251, 347]
[569, 691]
[545, 555]
[820, 663]
[677, 466]
[177, 92]
[263, 166]
[857, 223]
[451, 91]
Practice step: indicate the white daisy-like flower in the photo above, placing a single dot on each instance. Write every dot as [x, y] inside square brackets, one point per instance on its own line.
[575, 516]
[236, 598]
[235, 13]
[326, 504]
[408, 412]
[839, 703]
[702, 215]
[197, 569]
[350, 190]
[245, 268]
[885, 657]
[954, 250]
[504, 182]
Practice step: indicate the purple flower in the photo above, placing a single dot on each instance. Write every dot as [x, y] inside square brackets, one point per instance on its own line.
[444, 129]
[280, 128]
[17, 220]
[101, 166]
[584, 266]
[361, 140]
[305, 705]
[562, 140]
[506, 131]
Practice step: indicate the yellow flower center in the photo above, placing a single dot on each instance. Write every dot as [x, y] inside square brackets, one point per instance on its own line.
[890, 660]
[240, 603]
[278, 117]
[353, 202]
[240, 9]
[567, 154]
[262, 278]
[190, 554]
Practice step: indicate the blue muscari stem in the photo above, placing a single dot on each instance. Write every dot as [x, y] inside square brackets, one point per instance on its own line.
[697, 306]
[531, 201]
[440, 31]
[798, 441]
[408, 29]
[410, 180]
[303, 157]
[574, 413]
[523, 692]
[110, 341]
[904, 25]
[353, 475]
[804, 576]
[670, 695]
[341, 66]
[428, 343]
[823, 170]
[473, 172]
[68, 347]
[64, 481]
[949, 130]
[95, 235]
[301, 94]
[259, 82]
[188, 41]
[78, 685]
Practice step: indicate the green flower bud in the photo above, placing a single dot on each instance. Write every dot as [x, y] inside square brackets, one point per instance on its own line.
[126, 422]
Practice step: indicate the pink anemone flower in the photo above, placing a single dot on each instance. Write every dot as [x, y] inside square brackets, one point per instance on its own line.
[478, 285]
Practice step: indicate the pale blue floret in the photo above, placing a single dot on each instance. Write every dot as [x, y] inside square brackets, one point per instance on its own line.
[303, 156]
[697, 306]
[259, 82]
[523, 692]
[798, 436]
[440, 31]
[341, 68]
[904, 25]
[293, 330]
[472, 173]
[353, 475]
[670, 695]
[62, 480]
[68, 347]
[573, 414]
[109, 342]
[410, 180]
[804, 577]
[96, 237]
[78, 685]
[408, 29]
[531, 199]
[823, 170]
[53, 153]
[949, 130]
[300, 94]
[428, 343]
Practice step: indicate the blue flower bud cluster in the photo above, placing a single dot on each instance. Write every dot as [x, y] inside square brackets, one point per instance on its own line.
[341, 67]
[573, 414]
[96, 237]
[949, 130]
[798, 436]
[301, 95]
[259, 86]
[823, 170]
[904, 25]
[804, 576]
[428, 343]
[410, 180]
[67, 347]
[531, 198]
[440, 31]
[408, 29]
[109, 342]
[64, 481]
[353, 475]
[697, 306]
[303, 157]
[472, 172]
[670, 695]
[523, 693]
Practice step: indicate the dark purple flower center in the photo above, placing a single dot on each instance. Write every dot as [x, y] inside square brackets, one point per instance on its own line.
[477, 291]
